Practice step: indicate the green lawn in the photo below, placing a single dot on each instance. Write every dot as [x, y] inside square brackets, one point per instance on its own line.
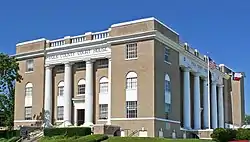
[93, 138]
[136, 139]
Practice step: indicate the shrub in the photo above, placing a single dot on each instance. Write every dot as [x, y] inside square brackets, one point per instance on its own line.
[222, 135]
[68, 132]
[9, 133]
[243, 134]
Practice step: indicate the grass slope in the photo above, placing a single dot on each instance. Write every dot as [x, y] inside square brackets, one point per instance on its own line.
[137, 139]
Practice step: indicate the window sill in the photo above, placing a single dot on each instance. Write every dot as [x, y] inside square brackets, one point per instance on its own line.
[131, 89]
[131, 59]
[80, 95]
[102, 120]
[29, 72]
[58, 121]
[167, 62]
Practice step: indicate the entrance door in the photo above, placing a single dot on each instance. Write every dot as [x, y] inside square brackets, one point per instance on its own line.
[80, 116]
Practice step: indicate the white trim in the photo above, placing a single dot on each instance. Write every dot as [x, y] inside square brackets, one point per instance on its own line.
[145, 118]
[26, 121]
[142, 20]
[131, 74]
[30, 41]
[81, 82]
[28, 85]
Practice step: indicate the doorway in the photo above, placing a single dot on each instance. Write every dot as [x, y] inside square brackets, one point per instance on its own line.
[80, 116]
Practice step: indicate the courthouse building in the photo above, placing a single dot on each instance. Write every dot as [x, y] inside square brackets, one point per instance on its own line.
[137, 75]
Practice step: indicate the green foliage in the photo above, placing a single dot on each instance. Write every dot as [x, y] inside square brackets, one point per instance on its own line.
[89, 138]
[67, 132]
[247, 120]
[243, 134]
[8, 75]
[92, 138]
[224, 135]
[9, 133]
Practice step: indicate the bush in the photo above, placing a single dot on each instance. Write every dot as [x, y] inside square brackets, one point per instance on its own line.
[243, 134]
[67, 132]
[224, 135]
[9, 133]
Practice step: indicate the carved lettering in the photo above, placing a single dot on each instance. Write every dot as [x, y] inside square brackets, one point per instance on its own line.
[78, 53]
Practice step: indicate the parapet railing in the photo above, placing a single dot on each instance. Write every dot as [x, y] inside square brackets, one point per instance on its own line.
[79, 38]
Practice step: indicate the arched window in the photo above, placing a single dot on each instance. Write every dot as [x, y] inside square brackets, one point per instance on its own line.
[81, 86]
[104, 85]
[28, 89]
[167, 96]
[131, 80]
[61, 88]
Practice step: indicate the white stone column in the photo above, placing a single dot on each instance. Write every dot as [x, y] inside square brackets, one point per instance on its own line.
[187, 99]
[221, 106]
[197, 102]
[67, 94]
[89, 94]
[109, 93]
[214, 105]
[48, 97]
[75, 116]
[206, 103]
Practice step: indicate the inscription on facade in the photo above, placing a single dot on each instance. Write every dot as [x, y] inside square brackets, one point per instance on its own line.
[78, 53]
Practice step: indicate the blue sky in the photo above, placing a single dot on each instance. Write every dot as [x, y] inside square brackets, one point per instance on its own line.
[219, 27]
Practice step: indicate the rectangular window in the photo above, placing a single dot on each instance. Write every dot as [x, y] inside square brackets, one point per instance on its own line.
[28, 113]
[81, 89]
[103, 111]
[131, 83]
[60, 91]
[166, 54]
[104, 87]
[60, 113]
[131, 51]
[28, 91]
[29, 65]
[131, 107]
[102, 63]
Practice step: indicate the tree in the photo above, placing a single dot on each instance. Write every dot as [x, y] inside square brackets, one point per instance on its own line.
[247, 119]
[8, 76]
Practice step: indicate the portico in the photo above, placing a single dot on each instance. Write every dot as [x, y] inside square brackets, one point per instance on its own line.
[84, 102]
[196, 88]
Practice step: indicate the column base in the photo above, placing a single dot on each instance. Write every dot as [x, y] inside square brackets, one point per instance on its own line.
[47, 125]
[65, 124]
[88, 124]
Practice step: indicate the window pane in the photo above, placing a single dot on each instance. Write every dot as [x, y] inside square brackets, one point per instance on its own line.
[103, 111]
[60, 91]
[131, 108]
[28, 91]
[131, 51]
[131, 83]
[104, 87]
[28, 113]
[29, 65]
[81, 89]
[60, 110]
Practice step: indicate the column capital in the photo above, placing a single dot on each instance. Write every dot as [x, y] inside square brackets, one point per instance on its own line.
[186, 69]
[214, 82]
[48, 66]
[89, 61]
[197, 74]
[68, 64]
